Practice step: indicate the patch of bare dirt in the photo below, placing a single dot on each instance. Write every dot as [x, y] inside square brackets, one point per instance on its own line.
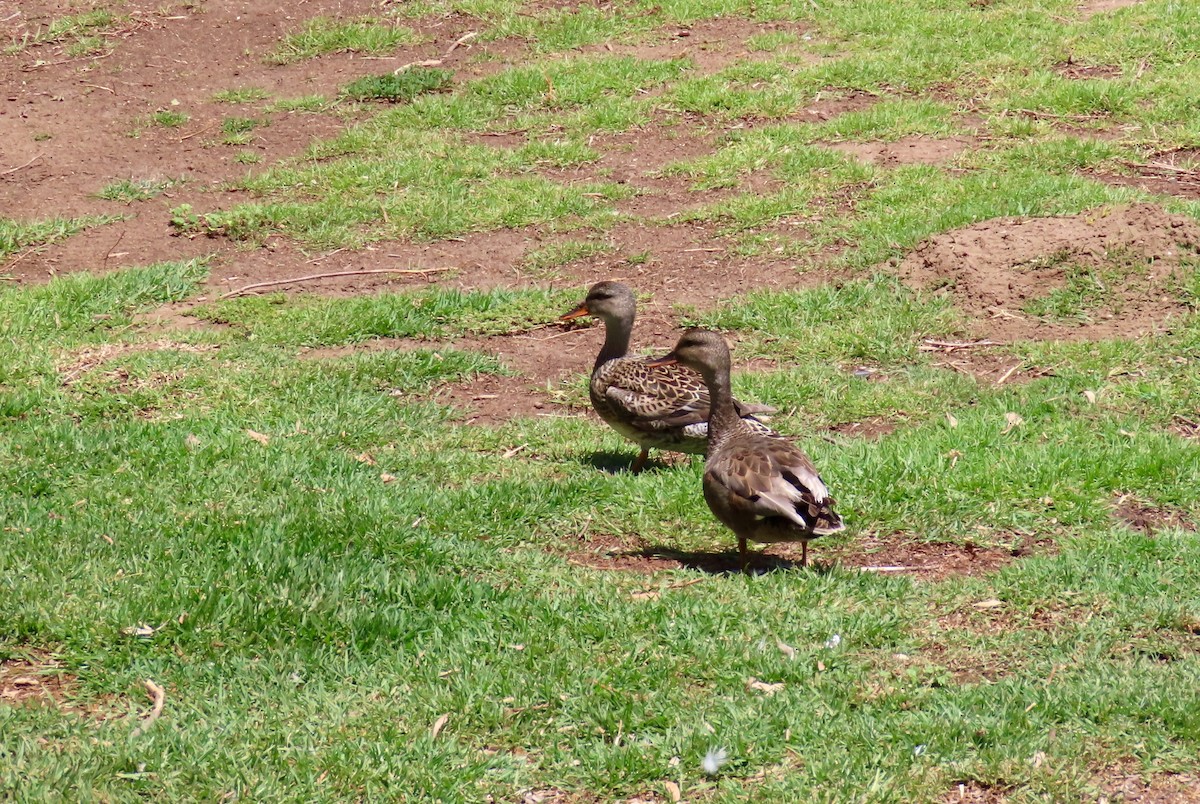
[1185, 427]
[1090, 8]
[39, 679]
[75, 125]
[899, 554]
[993, 269]
[906, 151]
[80, 362]
[1081, 72]
[1121, 785]
[991, 367]
[1177, 175]
[683, 263]
[917, 560]
[871, 429]
[827, 106]
[711, 45]
[489, 399]
[973, 792]
[1148, 518]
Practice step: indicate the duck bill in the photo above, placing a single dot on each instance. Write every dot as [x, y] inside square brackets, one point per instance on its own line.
[578, 312]
[665, 360]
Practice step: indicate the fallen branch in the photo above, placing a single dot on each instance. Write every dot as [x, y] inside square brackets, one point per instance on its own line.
[1158, 167]
[462, 40]
[1007, 374]
[311, 277]
[930, 345]
[196, 133]
[159, 696]
[20, 167]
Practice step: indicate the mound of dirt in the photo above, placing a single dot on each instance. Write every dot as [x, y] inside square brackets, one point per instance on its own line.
[1105, 273]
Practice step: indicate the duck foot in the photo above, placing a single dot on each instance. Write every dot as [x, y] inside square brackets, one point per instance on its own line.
[640, 462]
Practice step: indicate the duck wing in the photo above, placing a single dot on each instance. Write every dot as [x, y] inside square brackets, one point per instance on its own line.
[662, 396]
[770, 477]
[654, 397]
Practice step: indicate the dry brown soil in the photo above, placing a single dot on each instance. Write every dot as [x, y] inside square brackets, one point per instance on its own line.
[993, 269]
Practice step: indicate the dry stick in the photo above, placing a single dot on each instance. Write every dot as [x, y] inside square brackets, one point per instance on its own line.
[196, 133]
[324, 256]
[159, 696]
[1170, 168]
[120, 237]
[462, 40]
[37, 66]
[931, 345]
[311, 277]
[19, 167]
[1007, 374]
[23, 255]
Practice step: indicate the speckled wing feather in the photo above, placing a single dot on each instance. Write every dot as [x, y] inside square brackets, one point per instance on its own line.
[653, 398]
[767, 477]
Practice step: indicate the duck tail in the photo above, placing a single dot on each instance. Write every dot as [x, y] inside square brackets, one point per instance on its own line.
[826, 520]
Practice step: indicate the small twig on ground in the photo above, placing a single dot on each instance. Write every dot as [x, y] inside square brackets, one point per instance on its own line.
[196, 133]
[113, 247]
[1007, 374]
[28, 68]
[159, 696]
[1079, 118]
[20, 167]
[462, 40]
[97, 86]
[32, 250]
[324, 256]
[572, 331]
[930, 345]
[889, 569]
[312, 277]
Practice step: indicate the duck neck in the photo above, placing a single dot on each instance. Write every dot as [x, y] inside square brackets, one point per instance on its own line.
[723, 418]
[617, 332]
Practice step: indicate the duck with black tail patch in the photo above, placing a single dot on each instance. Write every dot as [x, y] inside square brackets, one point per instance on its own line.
[759, 485]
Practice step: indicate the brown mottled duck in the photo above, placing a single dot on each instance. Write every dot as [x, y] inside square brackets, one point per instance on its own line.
[664, 407]
[760, 485]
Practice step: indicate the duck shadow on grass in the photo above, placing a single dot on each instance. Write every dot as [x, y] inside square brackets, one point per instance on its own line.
[727, 562]
[615, 463]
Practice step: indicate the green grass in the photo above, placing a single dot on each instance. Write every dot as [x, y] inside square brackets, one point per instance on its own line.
[323, 35]
[129, 190]
[80, 33]
[168, 118]
[17, 235]
[290, 584]
[240, 130]
[307, 103]
[402, 87]
[541, 262]
[241, 95]
[334, 560]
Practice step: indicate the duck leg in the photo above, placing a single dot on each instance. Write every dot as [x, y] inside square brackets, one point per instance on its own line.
[742, 553]
[640, 463]
[804, 553]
